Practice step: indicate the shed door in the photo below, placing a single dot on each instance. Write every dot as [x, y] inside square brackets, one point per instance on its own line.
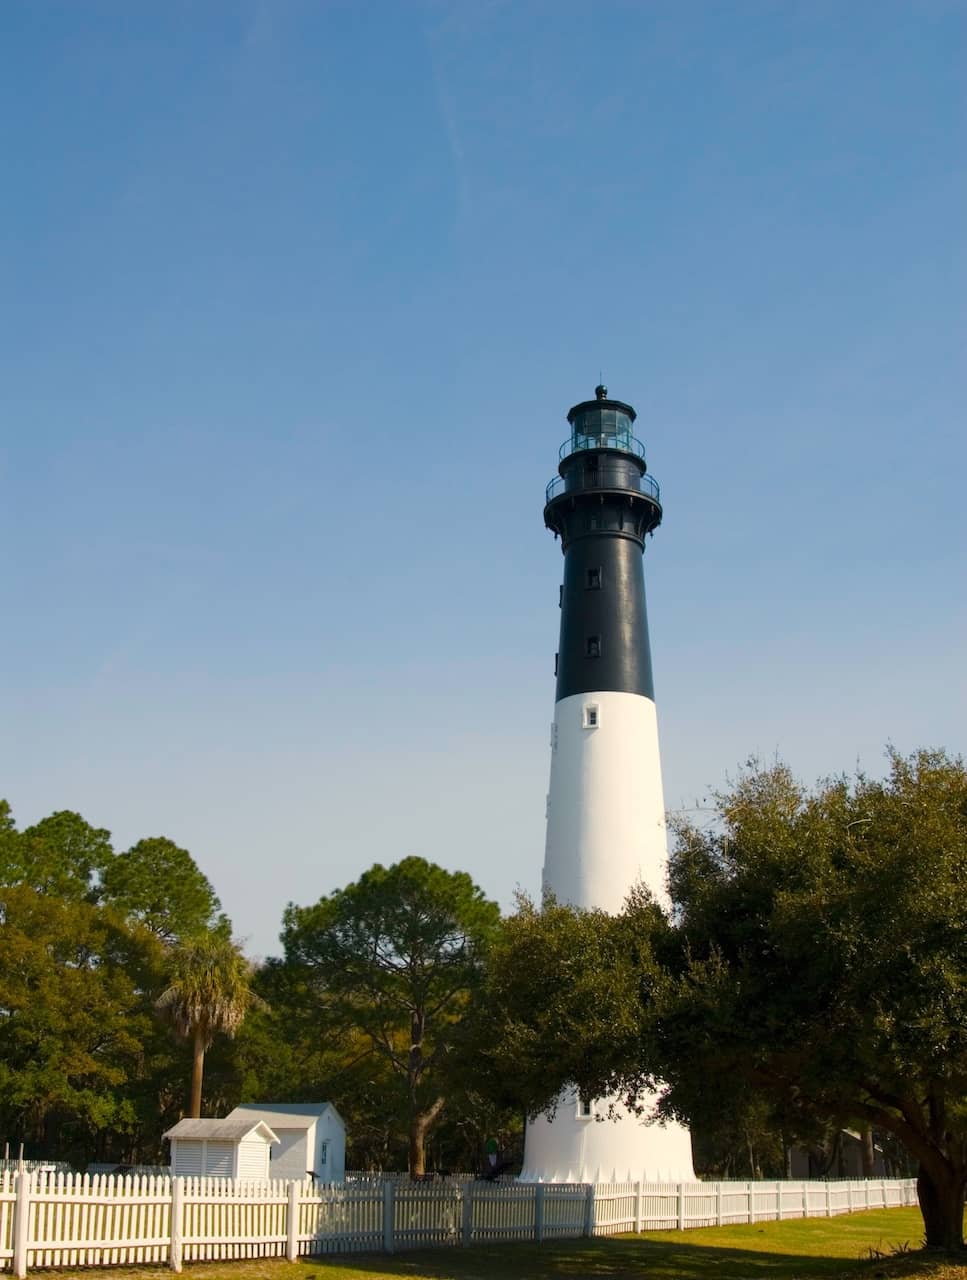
[253, 1159]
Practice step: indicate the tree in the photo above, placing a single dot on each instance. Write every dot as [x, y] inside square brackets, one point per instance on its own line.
[816, 958]
[209, 993]
[159, 885]
[61, 855]
[826, 936]
[72, 1020]
[396, 957]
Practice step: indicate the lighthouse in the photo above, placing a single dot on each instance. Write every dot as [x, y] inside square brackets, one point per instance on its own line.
[605, 807]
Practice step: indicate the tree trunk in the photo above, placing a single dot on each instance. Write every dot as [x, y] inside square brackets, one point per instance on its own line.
[942, 1206]
[867, 1151]
[753, 1163]
[197, 1071]
[421, 1122]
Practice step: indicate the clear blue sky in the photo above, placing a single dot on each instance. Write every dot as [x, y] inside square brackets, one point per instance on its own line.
[294, 299]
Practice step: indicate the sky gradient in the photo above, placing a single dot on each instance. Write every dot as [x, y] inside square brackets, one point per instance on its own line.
[294, 300]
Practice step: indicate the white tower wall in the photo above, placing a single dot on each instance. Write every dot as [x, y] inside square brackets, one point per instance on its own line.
[606, 833]
[605, 808]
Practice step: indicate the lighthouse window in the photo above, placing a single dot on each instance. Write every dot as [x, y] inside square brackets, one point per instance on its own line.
[591, 717]
[593, 580]
[594, 646]
[585, 1107]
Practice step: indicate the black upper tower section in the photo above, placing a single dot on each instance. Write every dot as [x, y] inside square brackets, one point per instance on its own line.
[602, 505]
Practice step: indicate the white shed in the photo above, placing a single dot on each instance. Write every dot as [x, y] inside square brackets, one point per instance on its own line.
[221, 1148]
[312, 1138]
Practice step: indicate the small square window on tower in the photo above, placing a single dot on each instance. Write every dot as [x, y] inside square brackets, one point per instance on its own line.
[594, 647]
[585, 1108]
[592, 581]
[592, 715]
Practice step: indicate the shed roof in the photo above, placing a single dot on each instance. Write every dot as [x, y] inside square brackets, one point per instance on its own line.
[228, 1130]
[284, 1115]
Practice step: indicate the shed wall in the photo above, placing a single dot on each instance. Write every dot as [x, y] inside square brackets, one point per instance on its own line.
[291, 1156]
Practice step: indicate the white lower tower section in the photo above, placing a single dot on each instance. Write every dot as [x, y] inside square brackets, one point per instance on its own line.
[605, 834]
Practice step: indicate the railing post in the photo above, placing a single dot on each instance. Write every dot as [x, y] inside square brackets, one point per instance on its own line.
[175, 1249]
[466, 1226]
[639, 1207]
[681, 1206]
[21, 1224]
[389, 1215]
[718, 1204]
[539, 1213]
[292, 1223]
[589, 1211]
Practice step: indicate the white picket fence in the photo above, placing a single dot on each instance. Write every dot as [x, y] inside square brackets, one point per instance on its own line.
[78, 1220]
[652, 1206]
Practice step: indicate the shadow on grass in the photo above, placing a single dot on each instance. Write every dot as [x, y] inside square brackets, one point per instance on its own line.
[610, 1259]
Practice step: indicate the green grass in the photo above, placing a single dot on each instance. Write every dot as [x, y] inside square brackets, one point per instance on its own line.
[795, 1250]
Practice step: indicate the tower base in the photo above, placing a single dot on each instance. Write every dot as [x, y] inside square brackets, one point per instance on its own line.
[576, 1147]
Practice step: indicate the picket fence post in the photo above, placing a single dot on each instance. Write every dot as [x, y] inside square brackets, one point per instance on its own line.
[718, 1204]
[539, 1213]
[21, 1224]
[829, 1200]
[292, 1223]
[466, 1226]
[389, 1214]
[750, 1191]
[639, 1207]
[589, 1211]
[177, 1223]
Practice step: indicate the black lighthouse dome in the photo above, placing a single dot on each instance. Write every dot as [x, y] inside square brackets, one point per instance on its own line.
[602, 482]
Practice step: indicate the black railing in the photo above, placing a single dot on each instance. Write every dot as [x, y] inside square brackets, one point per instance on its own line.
[622, 440]
[578, 481]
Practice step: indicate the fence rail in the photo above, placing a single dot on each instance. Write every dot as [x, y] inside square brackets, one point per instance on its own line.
[56, 1219]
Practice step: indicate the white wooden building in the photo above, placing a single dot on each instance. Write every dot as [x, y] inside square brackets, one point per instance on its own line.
[230, 1148]
[312, 1138]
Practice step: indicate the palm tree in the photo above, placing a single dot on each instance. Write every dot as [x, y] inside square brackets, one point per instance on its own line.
[210, 992]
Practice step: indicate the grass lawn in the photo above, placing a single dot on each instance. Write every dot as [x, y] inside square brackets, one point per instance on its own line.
[795, 1250]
